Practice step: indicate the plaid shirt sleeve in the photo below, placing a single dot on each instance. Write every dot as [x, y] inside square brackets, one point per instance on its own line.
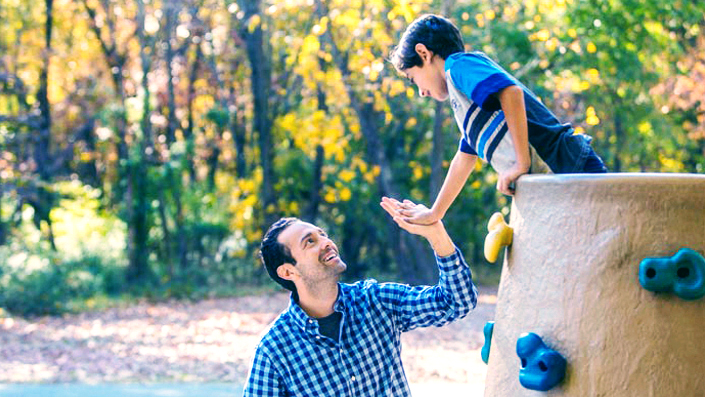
[264, 380]
[452, 298]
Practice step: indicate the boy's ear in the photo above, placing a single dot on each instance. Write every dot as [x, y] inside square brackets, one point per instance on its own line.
[423, 52]
[287, 271]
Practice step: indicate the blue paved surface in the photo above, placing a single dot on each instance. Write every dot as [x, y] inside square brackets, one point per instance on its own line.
[195, 390]
[120, 390]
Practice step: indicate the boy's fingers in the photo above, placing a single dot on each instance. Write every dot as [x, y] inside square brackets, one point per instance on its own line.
[390, 201]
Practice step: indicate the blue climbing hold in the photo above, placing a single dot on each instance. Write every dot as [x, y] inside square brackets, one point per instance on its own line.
[682, 274]
[542, 368]
[487, 330]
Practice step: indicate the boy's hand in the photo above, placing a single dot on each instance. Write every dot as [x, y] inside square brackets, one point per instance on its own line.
[507, 179]
[435, 233]
[417, 214]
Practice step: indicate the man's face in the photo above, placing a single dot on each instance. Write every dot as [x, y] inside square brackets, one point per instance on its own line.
[316, 255]
[429, 78]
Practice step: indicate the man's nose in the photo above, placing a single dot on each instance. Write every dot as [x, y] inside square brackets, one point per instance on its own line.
[326, 242]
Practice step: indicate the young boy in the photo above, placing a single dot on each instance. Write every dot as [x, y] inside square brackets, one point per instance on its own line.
[500, 120]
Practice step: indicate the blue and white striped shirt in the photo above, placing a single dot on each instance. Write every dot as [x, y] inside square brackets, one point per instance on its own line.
[295, 359]
[473, 81]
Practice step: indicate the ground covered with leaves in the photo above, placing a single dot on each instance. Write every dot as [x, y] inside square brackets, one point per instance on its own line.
[206, 341]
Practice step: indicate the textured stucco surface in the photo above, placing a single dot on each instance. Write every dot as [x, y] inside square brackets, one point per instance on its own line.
[571, 276]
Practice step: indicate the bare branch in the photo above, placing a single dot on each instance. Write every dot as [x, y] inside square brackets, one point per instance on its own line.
[108, 49]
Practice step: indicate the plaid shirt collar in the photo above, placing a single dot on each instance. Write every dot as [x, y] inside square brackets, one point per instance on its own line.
[308, 323]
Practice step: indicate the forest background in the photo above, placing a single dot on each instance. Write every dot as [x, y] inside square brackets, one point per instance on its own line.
[146, 145]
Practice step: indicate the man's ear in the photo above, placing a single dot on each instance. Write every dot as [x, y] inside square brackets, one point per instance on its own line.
[423, 52]
[287, 271]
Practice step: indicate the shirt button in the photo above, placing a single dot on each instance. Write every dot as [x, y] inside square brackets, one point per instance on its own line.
[353, 378]
[310, 321]
[318, 337]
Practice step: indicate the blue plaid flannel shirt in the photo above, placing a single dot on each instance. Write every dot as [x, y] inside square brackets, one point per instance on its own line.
[294, 359]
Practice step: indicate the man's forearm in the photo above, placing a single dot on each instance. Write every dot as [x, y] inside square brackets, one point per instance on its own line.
[441, 242]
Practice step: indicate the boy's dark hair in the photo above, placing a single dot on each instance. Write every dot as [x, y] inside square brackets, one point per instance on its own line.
[437, 33]
[274, 254]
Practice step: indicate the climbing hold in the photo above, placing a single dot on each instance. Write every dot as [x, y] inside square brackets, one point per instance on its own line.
[541, 367]
[683, 274]
[487, 330]
[500, 235]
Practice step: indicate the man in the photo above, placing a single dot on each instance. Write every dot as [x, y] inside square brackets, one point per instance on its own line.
[339, 339]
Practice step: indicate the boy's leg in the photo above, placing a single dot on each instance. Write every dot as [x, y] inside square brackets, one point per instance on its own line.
[594, 164]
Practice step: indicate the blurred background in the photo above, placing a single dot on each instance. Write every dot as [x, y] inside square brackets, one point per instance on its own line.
[146, 145]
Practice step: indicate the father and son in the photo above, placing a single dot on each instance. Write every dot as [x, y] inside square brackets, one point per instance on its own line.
[338, 339]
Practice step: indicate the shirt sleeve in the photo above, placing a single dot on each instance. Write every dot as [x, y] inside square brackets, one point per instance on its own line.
[465, 147]
[479, 78]
[264, 380]
[452, 298]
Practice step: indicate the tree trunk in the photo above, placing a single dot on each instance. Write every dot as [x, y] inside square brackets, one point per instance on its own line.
[42, 150]
[88, 170]
[188, 132]
[170, 18]
[260, 67]
[138, 227]
[167, 234]
[311, 213]
[239, 137]
[317, 184]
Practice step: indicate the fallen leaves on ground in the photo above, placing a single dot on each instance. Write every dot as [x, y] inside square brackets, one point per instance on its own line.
[207, 341]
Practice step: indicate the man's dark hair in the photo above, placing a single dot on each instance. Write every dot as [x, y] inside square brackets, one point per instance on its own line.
[438, 34]
[274, 254]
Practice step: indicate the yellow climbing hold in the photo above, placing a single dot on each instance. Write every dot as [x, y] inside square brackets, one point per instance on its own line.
[500, 235]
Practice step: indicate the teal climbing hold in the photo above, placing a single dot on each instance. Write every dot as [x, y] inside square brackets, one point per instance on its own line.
[487, 330]
[682, 274]
[542, 368]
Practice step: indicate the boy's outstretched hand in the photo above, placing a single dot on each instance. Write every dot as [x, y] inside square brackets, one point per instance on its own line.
[435, 233]
[416, 214]
[398, 211]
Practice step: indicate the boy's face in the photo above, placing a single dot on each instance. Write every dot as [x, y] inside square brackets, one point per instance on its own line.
[429, 77]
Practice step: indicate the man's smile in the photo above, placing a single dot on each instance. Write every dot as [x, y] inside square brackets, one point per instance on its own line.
[329, 255]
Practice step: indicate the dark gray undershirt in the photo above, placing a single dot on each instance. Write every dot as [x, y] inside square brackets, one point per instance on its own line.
[330, 326]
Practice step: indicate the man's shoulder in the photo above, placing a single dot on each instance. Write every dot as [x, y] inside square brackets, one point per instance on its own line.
[374, 290]
[276, 332]
[360, 290]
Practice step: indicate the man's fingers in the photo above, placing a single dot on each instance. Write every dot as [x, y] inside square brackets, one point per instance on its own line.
[388, 207]
[404, 224]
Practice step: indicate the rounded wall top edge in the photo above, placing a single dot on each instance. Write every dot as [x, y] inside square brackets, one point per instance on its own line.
[612, 178]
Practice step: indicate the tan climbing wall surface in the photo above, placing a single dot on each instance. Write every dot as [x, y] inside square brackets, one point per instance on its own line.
[571, 276]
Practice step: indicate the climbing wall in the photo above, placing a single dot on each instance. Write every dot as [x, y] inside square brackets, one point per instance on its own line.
[572, 278]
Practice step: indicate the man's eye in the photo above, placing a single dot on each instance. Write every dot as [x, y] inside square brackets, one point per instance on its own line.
[309, 241]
